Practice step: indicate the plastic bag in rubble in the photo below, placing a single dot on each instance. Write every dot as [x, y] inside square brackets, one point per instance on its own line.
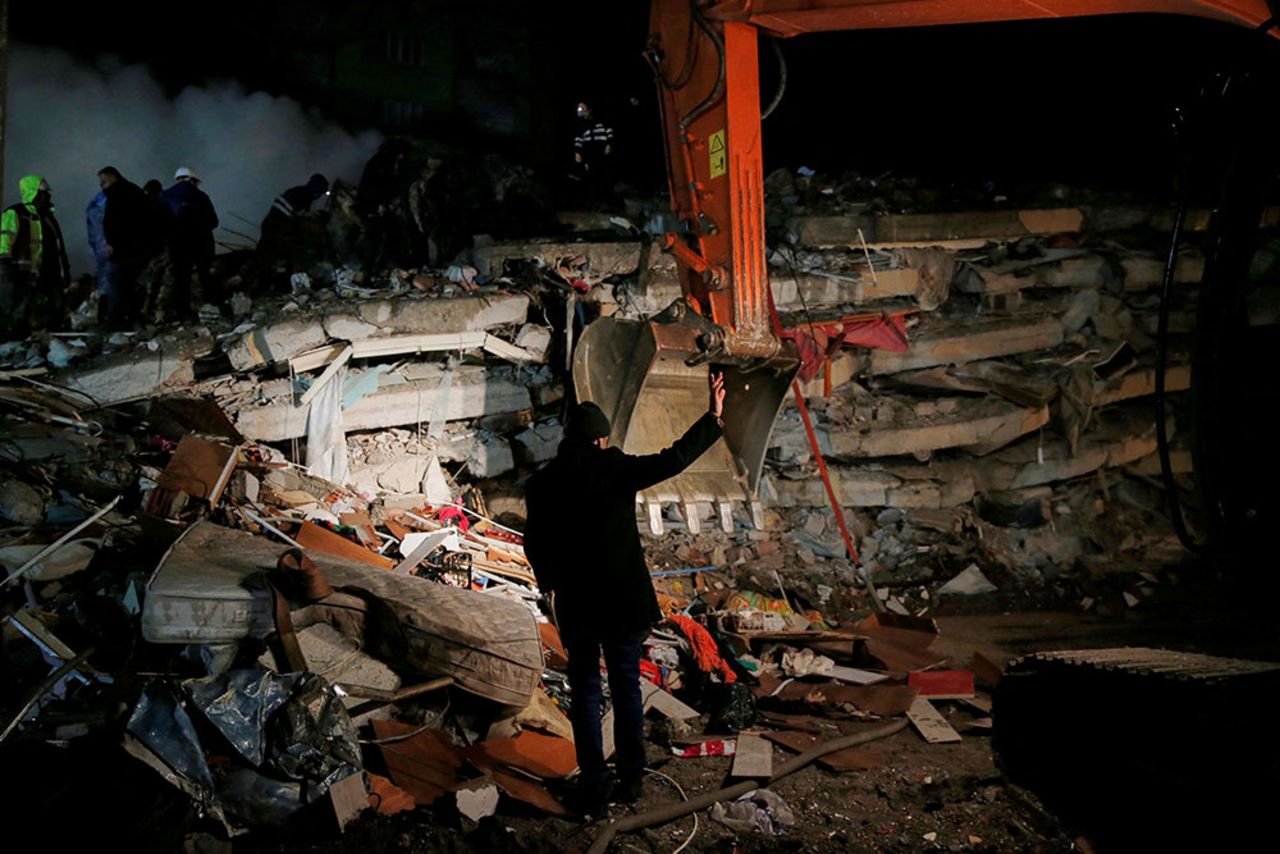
[161, 723]
[733, 707]
[311, 737]
[300, 283]
[805, 663]
[292, 725]
[759, 811]
[239, 703]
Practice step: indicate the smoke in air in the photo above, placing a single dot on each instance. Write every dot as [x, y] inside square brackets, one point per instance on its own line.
[67, 120]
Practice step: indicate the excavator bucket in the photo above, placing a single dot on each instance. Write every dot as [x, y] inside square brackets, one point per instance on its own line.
[637, 372]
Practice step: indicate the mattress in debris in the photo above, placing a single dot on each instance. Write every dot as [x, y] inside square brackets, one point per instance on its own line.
[211, 588]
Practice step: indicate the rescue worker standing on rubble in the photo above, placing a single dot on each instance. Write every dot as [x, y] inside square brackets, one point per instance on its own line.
[593, 158]
[152, 279]
[34, 273]
[603, 597]
[380, 202]
[191, 240]
[126, 225]
[278, 240]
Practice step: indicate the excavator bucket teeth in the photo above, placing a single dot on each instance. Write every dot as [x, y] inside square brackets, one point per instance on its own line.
[637, 373]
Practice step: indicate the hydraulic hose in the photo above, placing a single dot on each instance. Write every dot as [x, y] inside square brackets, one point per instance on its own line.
[718, 90]
[782, 81]
[1162, 356]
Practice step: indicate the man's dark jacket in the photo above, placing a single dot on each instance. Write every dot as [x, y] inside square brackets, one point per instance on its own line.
[581, 535]
[194, 219]
[127, 222]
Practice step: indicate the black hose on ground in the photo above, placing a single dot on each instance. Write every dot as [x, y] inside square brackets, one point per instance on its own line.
[683, 808]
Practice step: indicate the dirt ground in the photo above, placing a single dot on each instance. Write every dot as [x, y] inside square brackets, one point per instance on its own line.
[951, 797]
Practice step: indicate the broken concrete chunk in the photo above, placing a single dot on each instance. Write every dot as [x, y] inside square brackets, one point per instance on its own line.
[477, 799]
[20, 504]
[140, 372]
[435, 485]
[403, 475]
[490, 457]
[274, 343]
[535, 339]
[1080, 310]
[67, 560]
[539, 443]
[970, 582]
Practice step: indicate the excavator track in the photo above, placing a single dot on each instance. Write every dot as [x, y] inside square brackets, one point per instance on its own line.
[1137, 746]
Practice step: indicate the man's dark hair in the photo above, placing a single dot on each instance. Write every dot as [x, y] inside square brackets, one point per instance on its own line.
[587, 422]
[112, 171]
[153, 186]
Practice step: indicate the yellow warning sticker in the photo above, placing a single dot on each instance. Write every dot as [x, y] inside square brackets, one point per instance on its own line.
[719, 154]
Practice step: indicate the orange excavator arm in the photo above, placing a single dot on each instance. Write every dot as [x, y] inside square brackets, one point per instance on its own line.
[704, 55]
[650, 377]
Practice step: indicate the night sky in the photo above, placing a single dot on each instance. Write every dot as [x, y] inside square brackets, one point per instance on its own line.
[1078, 101]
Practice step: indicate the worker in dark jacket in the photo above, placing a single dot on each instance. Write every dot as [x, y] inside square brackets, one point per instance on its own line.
[281, 242]
[191, 240]
[582, 542]
[382, 204]
[126, 232]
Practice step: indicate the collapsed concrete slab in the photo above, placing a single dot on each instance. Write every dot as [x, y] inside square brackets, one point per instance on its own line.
[957, 344]
[1141, 382]
[942, 484]
[982, 424]
[357, 321]
[415, 396]
[141, 372]
[941, 228]
[602, 258]
[1078, 269]
[1123, 438]
[974, 228]
[810, 289]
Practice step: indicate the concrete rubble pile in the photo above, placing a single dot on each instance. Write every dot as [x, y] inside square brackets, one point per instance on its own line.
[275, 562]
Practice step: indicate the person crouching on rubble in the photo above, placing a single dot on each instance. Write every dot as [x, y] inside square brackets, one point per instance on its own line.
[582, 542]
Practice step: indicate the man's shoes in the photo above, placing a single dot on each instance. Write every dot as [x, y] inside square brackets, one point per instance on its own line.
[590, 804]
[629, 790]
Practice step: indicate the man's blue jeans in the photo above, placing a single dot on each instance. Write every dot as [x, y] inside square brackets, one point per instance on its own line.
[622, 660]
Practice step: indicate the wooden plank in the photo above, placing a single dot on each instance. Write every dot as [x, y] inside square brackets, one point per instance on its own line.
[312, 536]
[753, 758]
[931, 725]
[327, 377]
[505, 350]
[854, 676]
[316, 358]
[849, 759]
[348, 799]
[665, 703]
[424, 765]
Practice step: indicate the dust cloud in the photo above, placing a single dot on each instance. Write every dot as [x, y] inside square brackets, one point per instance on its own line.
[66, 120]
